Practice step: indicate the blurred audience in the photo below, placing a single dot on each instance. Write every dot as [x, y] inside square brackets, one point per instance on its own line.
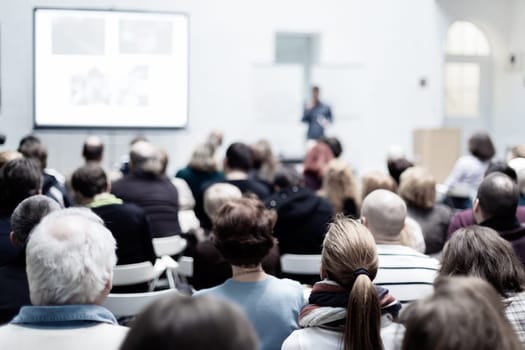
[418, 188]
[93, 150]
[264, 163]
[314, 165]
[179, 322]
[340, 188]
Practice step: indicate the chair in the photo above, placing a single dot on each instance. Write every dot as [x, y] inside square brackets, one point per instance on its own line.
[169, 246]
[124, 275]
[301, 264]
[131, 304]
[185, 267]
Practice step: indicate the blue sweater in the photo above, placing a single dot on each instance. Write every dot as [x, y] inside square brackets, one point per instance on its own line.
[272, 305]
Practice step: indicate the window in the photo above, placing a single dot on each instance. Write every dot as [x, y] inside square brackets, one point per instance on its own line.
[467, 50]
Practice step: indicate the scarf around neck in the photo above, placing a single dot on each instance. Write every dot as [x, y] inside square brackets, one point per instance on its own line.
[328, 303]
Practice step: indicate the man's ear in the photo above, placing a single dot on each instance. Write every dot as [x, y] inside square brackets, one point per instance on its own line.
[109, 186]
[477, 212]
[13, 239]
[364, 220]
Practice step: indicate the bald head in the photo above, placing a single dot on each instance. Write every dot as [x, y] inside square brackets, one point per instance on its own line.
[145, 157]
[498, 196]
[93, 149]
[384, 213]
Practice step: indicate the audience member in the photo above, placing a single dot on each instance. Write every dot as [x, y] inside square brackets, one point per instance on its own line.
[314, 165]
[345, 309]
[418, 188]
[376, 180]
[468, 171]
[178, 322]
[19, 178]
[6, 156]
[126, 221]
[409, 275]
[243, 235]
[70, 260]
[397, 162]
[480, 252]
[13, 278]
[53, 182]
[149, 189]
[209, 267]
[495, 207]
[334, 144]
[93, 150]
[464, 313]
[340, 188]
[302, 217]
[264, 164]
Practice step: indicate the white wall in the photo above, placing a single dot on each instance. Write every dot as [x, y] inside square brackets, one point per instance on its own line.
[398, 42]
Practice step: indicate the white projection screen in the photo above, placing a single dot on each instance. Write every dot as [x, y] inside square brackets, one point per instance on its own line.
[120, 69]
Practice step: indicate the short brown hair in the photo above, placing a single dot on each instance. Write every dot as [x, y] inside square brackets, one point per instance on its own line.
[418, 187]
[481, 252]
[243, 231]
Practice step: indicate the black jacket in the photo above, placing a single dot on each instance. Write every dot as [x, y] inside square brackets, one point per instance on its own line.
[302, 219]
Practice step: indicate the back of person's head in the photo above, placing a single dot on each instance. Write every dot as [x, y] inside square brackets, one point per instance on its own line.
[498, 196]
[517, 151]
[19, 178]
[481, 252]
[263, 160]
[339, 183]
[384, 213]
[202, 158]
[214, 139]
[28, 214]
[501, 167]
[6, 156]
[93, 149]
[418, 187]
[145, 157]
[396, 167]
[377, 180]
[464, 313]
[349, 258]
[218, 194]
[239, 157]
[31, 147]
[70, 259]
[243, 231]
[286, 176]
[334, 144]
[480, 146]
[89, 180]
[178, 322]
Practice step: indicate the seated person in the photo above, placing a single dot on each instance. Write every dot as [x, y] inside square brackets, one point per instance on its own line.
[345, 309]
[70, 260]
[243, 235]
[181, 320]
[126, 221]
[147, 187]
[19, 178]
[209, 267]
[407, 273]
[302, 216]
[13, 278]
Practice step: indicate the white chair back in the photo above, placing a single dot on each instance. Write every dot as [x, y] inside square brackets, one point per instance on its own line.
[170, 246]
[185, 267]
[124, 275]
[301, 264]
[131, 304]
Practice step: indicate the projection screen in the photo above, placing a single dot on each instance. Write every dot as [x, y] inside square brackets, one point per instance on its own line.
[123, 69]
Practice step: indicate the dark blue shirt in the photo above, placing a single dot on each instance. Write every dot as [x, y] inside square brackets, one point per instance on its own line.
[314, 117]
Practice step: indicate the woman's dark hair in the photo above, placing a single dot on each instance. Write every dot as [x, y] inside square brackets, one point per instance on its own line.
[481, 146]
[464, 313]
[501, 167]
[481, 252]
[185, 323]
[19, 178]
[243, 231]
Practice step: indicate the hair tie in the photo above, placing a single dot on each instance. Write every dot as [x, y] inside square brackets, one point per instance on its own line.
[361, 271]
